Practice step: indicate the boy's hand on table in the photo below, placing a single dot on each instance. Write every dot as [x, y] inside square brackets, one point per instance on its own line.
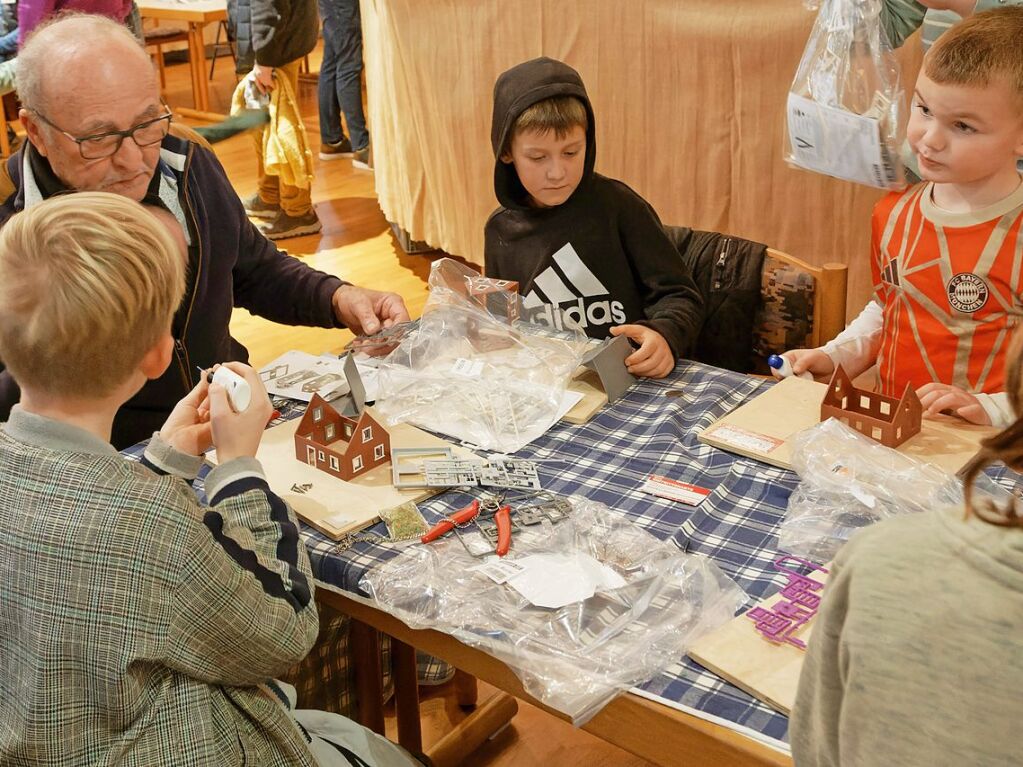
[237, 435]
[653, 358]
[938, 397]
[814, 361]
[187, 428]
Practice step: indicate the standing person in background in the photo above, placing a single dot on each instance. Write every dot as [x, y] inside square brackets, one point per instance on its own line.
[31, 12]
[273, 36]
[340, 87]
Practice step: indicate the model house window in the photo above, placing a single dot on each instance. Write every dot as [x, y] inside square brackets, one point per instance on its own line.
[334, 464]
[357, 463]
[330, 432]
[378, 452]
[317, 415]
[367, 434]
[348, 431]
[321, 455]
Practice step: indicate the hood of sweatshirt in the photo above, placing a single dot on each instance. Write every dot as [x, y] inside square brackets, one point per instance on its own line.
[515, 91]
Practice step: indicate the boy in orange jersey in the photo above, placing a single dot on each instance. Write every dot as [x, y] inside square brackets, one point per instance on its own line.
[948, 253]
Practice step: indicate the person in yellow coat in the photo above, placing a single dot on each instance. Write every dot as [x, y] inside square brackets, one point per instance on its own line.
[273, 36]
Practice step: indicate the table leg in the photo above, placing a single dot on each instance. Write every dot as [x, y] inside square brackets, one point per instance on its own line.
[466, 689]
[197, 54]
[406, 696]
[368, 676]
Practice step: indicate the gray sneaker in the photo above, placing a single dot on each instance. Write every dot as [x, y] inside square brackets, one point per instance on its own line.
[284, 226]
[363, 158]
[342, 148]
[256, 208]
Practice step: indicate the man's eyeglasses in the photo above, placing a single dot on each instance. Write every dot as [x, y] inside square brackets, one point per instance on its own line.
[100, 145]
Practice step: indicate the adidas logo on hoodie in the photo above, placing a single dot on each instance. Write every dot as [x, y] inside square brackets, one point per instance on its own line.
[569, 285]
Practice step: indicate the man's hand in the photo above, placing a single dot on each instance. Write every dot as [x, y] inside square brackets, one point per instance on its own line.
[365, 311]
[653, 358]
[819, 364]
[188, 428]
[238, 434]
[264, 77]
[939, 397]
[963, 8]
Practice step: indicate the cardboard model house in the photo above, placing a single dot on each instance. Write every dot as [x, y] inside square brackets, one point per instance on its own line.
[889, 420]
[339, 445]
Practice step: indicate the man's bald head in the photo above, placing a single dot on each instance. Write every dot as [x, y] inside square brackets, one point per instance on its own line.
[81, 79]
[64, 54]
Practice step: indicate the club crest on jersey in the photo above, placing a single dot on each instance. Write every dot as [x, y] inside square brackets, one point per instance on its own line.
[967, 293]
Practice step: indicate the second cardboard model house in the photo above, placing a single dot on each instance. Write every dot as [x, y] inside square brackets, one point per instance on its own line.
[889, 420]
[339, 445]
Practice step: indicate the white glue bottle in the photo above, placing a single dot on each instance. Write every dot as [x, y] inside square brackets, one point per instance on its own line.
[783, 368]
[237, 388]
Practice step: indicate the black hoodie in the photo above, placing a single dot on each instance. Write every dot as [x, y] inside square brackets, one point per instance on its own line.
[601, 256]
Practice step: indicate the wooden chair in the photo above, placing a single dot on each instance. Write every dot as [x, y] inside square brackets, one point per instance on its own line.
[829, 304]
[793, 305]
[228, 42]
[8, 114]
[157, 37]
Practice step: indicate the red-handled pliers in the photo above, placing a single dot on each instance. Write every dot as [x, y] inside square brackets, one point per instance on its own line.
[502, 518]
[460, 517]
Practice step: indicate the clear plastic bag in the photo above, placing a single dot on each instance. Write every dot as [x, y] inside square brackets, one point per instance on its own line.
[846, 112]
[850, 481]
[578, 657]
[474, 369]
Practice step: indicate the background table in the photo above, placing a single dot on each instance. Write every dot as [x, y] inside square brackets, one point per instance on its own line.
[197, 14]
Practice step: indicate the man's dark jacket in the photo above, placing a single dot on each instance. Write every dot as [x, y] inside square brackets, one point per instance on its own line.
[230, 264]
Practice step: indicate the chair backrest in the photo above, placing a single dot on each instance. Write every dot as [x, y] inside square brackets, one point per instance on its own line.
[803, 305]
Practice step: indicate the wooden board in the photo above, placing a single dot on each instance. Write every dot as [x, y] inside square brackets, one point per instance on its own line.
[739, 654]
[762, 429]
[331, 505]
[587, 383]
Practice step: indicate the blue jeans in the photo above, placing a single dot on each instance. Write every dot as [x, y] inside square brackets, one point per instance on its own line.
[340, 86]
[9, 45]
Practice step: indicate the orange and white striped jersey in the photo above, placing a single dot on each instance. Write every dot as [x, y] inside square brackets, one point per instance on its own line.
[951, 288]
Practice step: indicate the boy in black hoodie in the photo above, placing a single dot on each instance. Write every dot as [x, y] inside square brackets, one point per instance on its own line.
[574, 239]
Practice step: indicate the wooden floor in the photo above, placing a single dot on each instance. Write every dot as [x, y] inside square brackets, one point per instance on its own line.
[356, 244]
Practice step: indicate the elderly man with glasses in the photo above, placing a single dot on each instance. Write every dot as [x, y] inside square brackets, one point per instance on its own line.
[95, 121]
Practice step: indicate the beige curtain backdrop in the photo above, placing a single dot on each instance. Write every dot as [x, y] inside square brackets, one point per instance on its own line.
[689, 97]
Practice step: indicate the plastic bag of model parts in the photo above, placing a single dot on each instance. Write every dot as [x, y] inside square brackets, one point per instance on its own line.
[578, 657]
[846, 113]
[849, 481]
[476, 369]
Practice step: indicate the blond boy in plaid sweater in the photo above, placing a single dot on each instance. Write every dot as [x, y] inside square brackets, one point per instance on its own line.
[136, 626]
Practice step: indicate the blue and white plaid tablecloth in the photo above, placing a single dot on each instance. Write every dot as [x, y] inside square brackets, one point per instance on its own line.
[652, 430]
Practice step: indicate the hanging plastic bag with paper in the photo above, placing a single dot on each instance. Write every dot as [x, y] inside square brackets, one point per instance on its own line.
[846, 112]
[477, 368]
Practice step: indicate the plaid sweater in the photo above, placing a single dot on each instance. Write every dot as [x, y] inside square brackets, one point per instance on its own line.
[137, 627]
